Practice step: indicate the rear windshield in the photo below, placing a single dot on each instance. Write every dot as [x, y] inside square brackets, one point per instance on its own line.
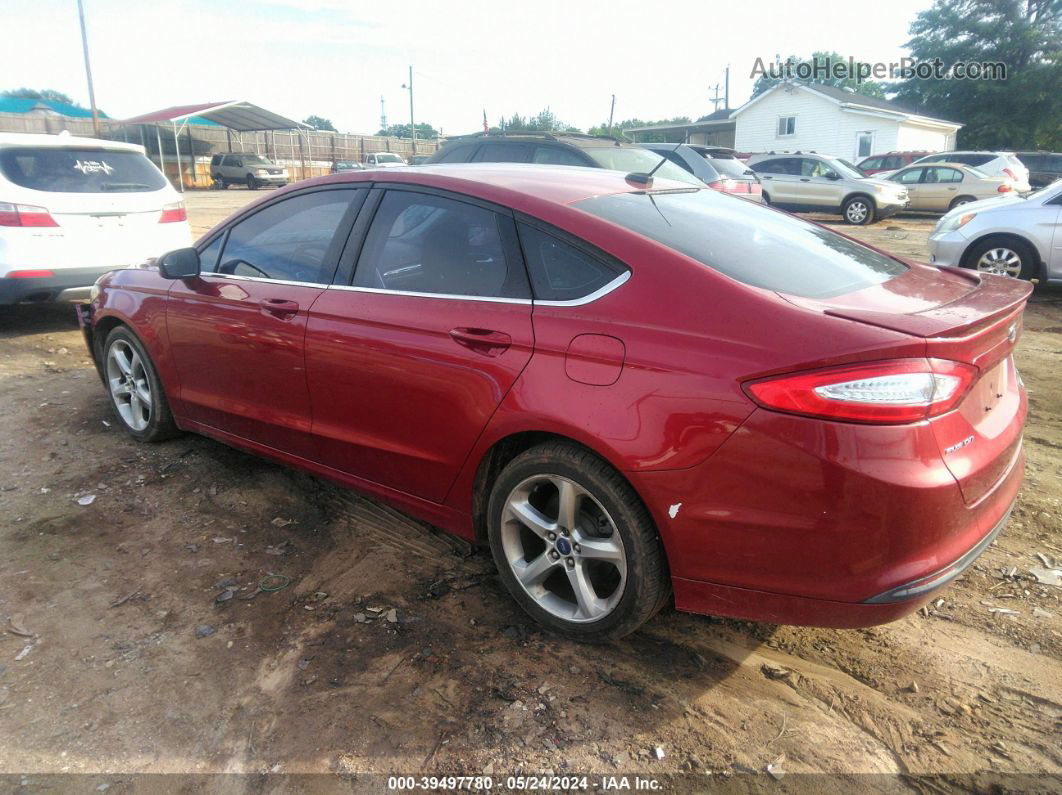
[632, 159]
[389, 159]
[730, 167]
[79, 170]
[749, 243]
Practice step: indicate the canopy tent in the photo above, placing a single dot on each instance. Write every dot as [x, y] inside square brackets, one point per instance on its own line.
[237, 115]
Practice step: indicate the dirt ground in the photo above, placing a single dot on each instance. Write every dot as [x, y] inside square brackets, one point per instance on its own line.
[390, 652]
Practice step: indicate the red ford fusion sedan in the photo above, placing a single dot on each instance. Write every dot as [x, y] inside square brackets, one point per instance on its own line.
[627, 389]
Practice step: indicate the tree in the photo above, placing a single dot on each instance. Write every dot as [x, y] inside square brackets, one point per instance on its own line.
[544, 121]
[1023, 111]
[47, 94]
[648, 138]
[824, 61]
[424, 131]
[319, 123]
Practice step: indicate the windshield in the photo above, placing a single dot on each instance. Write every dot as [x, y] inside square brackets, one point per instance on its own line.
[255, 160]
[630, 159]
[389, 159]
[850, 170]
[749, 243]
[80, 170]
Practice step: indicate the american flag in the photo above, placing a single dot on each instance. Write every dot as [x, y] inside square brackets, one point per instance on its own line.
[486, 127]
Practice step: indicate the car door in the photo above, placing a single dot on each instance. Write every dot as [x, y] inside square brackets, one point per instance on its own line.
[236, 333]
[408, 361]
[819, 184]
[938, 187]
[910, 179]
[780, 176]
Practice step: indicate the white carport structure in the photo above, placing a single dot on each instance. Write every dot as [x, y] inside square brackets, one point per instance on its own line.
[236, 115]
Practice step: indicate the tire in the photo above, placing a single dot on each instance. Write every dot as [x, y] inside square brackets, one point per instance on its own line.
[766, 198]
[252, 183]
[858, 211]
[1002, 256]
[625, 579]
[959, 201]
[137, 398]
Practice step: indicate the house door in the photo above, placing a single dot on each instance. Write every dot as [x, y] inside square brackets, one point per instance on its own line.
[864, 145]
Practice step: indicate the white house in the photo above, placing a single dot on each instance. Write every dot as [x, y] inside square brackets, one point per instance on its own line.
[835, 121]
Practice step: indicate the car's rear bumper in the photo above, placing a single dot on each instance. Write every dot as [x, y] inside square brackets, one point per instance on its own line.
[69, 284]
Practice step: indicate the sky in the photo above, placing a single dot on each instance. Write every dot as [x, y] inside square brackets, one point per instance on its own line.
[335, 59]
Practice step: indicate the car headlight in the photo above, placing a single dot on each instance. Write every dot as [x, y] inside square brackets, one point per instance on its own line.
[949, 223]
[262, 172]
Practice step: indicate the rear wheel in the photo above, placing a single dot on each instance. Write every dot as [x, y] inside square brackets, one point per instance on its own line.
[959, 201]
[136, 393]
[858, 210]
[1003, 257]
[252, 183]
[574, 545]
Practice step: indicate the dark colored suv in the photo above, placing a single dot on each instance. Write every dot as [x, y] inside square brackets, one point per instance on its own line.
[558, 149]
[1044, 167]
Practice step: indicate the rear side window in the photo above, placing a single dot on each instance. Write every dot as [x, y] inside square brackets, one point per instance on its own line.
[455, 153]
[557, 156]
[781, 165]
[503, 152]
[80, 170]
[420, 243]
[287, 241]
[872, 162]
[560, 271]
[974, 160]
[730, 167]
[748, 243]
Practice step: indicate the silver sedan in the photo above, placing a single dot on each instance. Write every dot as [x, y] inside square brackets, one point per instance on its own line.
[1010, 236]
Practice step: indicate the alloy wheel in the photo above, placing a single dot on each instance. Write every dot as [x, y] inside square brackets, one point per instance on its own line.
[1001, 261]
[856, 212]
[563, 548]
[128, 382]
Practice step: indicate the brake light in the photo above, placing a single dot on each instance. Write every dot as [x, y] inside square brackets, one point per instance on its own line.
[1010, 174]
[888, 392]
[25, 215]
[40, 274]
[1004, 188]
[171, 213]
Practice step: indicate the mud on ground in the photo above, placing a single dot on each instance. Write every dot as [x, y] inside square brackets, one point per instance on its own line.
[391, 652]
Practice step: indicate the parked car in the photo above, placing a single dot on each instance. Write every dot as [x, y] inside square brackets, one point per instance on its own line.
[716, 167]
[1012, 236]
[995, 164]
[73, 208]
[340, 166]
[559, 149]
[383, 160]
[418, 160]
[1044, 167]
[817, 183]
[946, 186]
[254, 171]
[890, 161]
[621, 387]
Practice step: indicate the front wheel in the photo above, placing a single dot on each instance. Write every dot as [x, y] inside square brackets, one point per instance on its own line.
[252, 183]
[1003, 257]
[574, 545]
[959, 201]
[858, 210]
[136, 393]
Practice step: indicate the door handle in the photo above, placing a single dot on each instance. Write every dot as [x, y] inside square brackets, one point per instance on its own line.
[952, 188]
[805, 179]
[279, 307]
[765, 176]
[481, 340]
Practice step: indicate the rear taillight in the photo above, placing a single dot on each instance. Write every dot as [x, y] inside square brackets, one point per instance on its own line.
[1010, 174]
[25, 215]
[37, 274]
[1004, 188]
[172, 213]
[725, 185]
[887, 392]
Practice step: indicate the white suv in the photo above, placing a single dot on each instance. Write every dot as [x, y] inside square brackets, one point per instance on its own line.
[995, 164]
[72, 209]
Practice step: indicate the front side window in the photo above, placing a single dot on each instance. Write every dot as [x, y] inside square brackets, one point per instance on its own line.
[747, 242]
[560, 271]
[786, 126]
[419, 243]
[908, 177]
[80, 170]
[557, 156]
[815, 168]
[287, 241]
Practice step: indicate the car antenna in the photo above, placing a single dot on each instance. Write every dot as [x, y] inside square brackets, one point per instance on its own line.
[640, 178]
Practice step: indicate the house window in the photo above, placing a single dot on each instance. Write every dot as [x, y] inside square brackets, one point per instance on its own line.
[864, 144]
[786, 125]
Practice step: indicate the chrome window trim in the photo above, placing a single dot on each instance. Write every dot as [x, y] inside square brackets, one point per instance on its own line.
[619, 281]
[215, 275]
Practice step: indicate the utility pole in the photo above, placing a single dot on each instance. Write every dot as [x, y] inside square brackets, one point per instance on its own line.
[412, 125]
[383, 115]
[726, 96]
[716, 99]
[88, 70]
[611, 111]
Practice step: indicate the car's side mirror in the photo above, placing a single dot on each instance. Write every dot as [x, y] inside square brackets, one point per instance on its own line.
[833, 175]
[180, 264]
